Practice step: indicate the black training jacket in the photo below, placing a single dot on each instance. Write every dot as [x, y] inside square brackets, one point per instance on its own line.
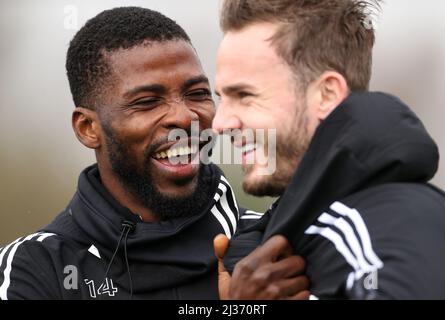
[359, 208]
[69, 258]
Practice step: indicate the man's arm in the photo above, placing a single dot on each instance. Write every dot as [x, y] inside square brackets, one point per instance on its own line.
[26, 272]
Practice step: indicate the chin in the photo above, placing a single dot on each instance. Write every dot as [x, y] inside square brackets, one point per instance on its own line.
[261, 185]
[180, 189]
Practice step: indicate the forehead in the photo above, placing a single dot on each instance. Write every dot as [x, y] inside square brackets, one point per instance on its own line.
[155, 63]
[248, 52]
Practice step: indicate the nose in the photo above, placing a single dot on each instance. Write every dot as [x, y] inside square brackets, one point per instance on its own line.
[180, 116]
[225, 118]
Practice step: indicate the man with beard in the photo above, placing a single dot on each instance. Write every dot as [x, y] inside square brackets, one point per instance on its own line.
[352, 166]
[140, 224]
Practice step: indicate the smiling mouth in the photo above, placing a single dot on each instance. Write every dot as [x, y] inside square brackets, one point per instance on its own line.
[249, 148]
[176, 152]
[179, 153]
[177, 161]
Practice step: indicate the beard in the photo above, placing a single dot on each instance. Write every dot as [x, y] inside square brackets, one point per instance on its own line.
[141, 184]
[290, 150]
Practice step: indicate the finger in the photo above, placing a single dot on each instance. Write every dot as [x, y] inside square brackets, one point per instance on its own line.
[293, 286]
[303, 295]
[224, 280]
[273, 249]
[220, 245]
[286, 288]
[274, 280]
[286, 268]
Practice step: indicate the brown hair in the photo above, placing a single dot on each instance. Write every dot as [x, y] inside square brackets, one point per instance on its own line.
[314, 35]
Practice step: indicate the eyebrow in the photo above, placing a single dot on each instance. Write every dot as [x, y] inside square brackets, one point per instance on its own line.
[194, 81]
[232, 89]
[161, 89]
[155, 88]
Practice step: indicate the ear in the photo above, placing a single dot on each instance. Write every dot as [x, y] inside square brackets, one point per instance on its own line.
[328, 92]
[87, 127]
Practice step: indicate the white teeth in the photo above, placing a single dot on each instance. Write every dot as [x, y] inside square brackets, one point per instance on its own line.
[248, 147]
[179, 151]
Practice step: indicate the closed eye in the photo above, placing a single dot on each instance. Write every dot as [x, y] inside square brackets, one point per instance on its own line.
[243, 94]
[199, 95]
[147, 103]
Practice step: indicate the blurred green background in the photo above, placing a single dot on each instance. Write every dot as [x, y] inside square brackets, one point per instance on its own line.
[40, 158]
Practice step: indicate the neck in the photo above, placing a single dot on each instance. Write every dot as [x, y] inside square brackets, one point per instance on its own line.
[119, 192]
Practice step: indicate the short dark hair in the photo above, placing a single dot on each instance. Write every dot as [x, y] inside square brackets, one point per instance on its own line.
[110, 30]
[314, 35]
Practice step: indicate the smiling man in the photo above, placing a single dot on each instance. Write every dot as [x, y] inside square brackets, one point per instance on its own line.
[352, 166]
[140, 224]
[161, 86]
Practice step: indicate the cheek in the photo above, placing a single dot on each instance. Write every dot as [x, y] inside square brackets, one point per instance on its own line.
[135, 136]
[206, 116]
[260, 120]
[137, 128]
[288, 116]
[277, 126]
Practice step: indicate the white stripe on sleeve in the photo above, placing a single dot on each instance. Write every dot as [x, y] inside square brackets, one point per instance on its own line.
[222, 221]
[7, 271]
